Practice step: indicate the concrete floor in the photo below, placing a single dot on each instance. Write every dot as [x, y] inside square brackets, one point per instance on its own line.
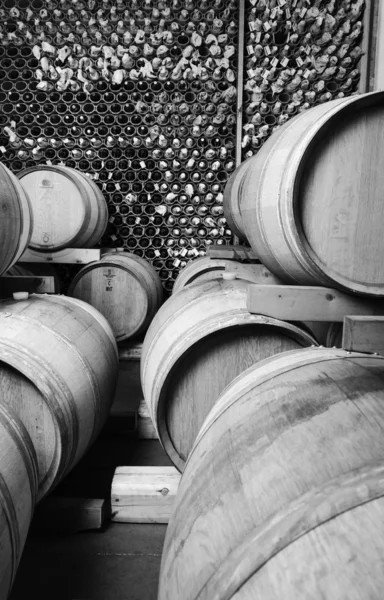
[121, 562]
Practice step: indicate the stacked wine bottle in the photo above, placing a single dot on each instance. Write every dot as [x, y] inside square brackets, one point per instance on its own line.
[139, 95]
[299, 54]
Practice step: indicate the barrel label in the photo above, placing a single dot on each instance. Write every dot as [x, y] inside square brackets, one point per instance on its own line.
[109, 275]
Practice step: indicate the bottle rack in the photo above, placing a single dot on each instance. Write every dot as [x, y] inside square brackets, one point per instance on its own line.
[298, 54]
[139, 95]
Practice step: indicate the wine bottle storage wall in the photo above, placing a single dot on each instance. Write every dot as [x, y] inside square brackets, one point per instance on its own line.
[138, 94]
[298, 54]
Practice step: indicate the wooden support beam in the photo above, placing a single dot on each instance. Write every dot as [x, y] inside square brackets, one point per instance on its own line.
[68, 515]
[252, 272]
[66, 256]
[240, 82]
[363, 334]
[241, 253]
[304, 303]
[143, 494]
[379, 49]
[368, 45]
[31, 284]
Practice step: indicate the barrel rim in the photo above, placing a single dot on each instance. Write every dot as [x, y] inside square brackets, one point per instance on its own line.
[294, 261]
[102, 206]
[230, 320]
[266, 370]
[208, 265]
[24, 362]
[352, 106]
[301, 272]
[232, 196]
[97, 264]
[22, 229]
[26, 451]
[343, 493]
[77, 236]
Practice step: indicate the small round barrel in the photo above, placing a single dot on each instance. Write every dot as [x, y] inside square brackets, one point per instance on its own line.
[15, 221]
[58, 373]
[68, 208]
[232, 198]
[311, 200]
[18, 489]
[198, 342]
[205, 269]
[283, 492]
[124, 288]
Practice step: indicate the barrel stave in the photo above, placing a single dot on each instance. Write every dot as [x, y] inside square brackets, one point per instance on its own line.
[284, 427]
[66, 360]
[124, 288]
[200, 339]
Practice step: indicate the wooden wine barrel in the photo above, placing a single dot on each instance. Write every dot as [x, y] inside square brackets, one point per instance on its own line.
[18, 489]
[15, 221]
[205, 269]
[58, 373]
[68, 208]
[124, 287]
[233, 192]
[311, 199]
[283, 492]
[201, 339]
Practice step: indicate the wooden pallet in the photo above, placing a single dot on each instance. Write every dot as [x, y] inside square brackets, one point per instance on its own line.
[143, 494]
[236, 252]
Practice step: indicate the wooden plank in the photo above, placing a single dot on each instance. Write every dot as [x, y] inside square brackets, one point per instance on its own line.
[143, 494]
[67, 256]
[305, 303]
[240, 82]
[252, 272]
[379, 54]
[233, 253]
[364, 334]
[16, 283]
[367, 45]
[68, 515]
[145, 427]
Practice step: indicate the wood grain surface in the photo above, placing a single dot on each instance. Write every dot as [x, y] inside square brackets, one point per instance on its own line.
[143, 494]
[311, 204]
[200, 339]
[58, 372]
[69, 211]
[363, 334]
[309, 303]
[232, 198]
[205, 268]
[295, 423]
[18, 489]
[124, 288]
[15, 219]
